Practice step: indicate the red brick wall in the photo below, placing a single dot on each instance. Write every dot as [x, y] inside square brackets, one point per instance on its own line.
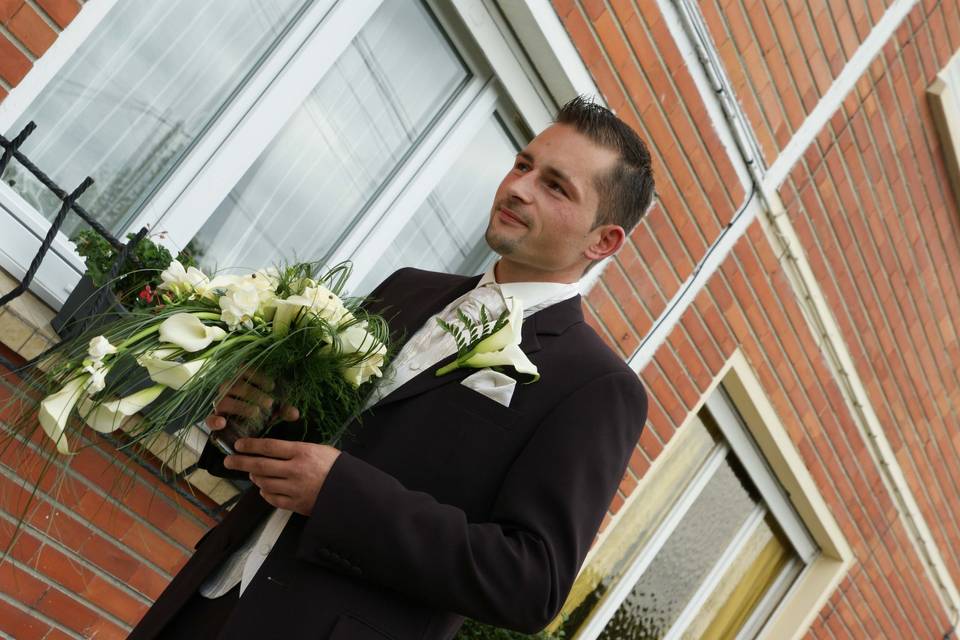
[85, 565]
[875, 214]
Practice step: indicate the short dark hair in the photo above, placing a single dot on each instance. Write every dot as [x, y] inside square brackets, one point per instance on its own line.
[626, 190]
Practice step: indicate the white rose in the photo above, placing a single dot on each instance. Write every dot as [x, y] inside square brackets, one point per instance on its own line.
[181, 281]
[356, 339]
[187, 332]
[239, 304]
[324, 303]
[100, 347]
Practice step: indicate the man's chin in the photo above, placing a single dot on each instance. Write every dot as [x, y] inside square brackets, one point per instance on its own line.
[498, 243]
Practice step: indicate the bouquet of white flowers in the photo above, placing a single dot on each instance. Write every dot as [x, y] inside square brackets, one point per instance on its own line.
[203, 334]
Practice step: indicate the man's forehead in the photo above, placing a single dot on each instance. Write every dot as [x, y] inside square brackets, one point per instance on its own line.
[571, 152]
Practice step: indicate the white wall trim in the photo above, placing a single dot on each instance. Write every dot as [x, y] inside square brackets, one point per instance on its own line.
[546, 42]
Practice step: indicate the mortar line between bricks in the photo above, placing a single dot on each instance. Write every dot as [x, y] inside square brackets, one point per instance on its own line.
[42, 617]
[16, 43]
[43, 16]
[132, 479]
[30, 571]
[46, 539]
[11, 475]
[107, 499]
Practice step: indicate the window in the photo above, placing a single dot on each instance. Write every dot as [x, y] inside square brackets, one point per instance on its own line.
[944, 95]
[293, 129]
[708, 550]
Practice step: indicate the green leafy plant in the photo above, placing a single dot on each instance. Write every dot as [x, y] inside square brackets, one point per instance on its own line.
[473, 630]
[473, 332]
[139, 274]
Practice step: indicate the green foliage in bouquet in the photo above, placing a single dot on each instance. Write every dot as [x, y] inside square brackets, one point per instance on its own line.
[140, 271]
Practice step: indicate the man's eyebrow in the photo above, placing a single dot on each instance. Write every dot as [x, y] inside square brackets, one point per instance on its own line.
[553, 171]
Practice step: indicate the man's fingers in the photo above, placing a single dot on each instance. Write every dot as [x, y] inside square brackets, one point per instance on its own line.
[288, 413]
[216, 422]
[269, 447]
[273, 485]
[251, 394]
[234, 407]
[258, 465]
[262, 381]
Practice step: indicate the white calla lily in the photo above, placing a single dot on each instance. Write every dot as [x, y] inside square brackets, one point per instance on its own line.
[500, 349]
[169, 373]
[55, 411]
[189, 333]
[110, 416]
[509, 356]
[98, 376]
[100, 347]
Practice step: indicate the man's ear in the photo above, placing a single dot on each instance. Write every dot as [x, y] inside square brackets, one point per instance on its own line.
[608, 239]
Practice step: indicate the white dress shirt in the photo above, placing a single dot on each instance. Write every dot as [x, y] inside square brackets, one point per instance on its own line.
[428, 346]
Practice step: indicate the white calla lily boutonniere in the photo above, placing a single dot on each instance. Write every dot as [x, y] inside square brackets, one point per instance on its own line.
[490, 343]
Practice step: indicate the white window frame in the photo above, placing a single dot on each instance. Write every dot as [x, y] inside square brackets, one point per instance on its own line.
[241, 132]
[736, 439]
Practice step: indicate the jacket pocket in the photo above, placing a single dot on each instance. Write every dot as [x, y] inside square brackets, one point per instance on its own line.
[348, 627]
[462, 398]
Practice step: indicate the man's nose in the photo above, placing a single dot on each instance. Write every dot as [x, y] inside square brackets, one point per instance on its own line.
[521, 188]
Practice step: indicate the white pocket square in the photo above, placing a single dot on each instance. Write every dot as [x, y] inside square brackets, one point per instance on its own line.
[493, 384]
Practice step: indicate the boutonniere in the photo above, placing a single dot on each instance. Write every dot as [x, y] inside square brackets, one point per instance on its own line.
[489, 342]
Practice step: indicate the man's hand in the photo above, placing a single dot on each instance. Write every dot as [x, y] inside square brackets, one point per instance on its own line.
[249, 398]
[289, 474]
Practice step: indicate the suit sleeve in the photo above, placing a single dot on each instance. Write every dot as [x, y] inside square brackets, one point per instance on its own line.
[211, 458]
[515, 570]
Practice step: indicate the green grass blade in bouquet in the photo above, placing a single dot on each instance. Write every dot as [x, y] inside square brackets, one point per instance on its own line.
[171, 363]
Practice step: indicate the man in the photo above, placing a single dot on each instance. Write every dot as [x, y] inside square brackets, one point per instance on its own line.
[465, 494]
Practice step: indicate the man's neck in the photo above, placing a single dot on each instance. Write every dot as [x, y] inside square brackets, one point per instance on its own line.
[506, 272]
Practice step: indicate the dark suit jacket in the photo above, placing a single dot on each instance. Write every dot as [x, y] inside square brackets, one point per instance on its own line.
[443, 503]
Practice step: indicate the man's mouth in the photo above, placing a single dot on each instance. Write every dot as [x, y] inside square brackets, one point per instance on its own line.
[510, 217]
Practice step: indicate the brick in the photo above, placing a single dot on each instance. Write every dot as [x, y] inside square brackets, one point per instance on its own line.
[31, 30]
[62, 12]
[8, 8]
[13, 64]
[20, 624]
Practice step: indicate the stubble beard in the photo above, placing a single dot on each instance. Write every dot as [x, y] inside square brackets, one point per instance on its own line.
[499, 244]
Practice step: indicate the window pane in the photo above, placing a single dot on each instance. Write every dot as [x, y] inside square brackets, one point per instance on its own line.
[694, 547]
[640, 519]
[136, 96]
[446, 232]
[341, 146]
[761, 561]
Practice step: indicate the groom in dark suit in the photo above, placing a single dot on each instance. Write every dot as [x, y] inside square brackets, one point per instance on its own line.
[459, 495]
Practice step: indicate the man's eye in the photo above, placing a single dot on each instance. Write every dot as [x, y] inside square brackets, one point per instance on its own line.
[522, 166]
[555, 186]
